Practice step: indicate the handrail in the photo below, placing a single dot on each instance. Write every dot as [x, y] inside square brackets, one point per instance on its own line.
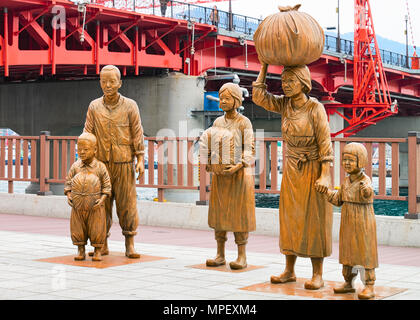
[174, 163]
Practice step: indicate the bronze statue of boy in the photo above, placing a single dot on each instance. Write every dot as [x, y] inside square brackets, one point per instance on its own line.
[87, 187]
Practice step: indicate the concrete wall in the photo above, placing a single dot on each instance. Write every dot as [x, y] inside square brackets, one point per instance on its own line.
[392, 127]
[393, 231]
[166, 102]
[60, 107]
[273, 125]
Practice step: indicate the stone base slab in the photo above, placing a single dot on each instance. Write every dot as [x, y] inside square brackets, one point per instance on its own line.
[298, 289]
[114, 259]
[224, 268]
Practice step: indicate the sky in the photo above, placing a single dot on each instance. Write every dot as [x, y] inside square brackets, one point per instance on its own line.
[388, 15]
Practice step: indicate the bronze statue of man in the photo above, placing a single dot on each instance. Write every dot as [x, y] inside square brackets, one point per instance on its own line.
[116, 123]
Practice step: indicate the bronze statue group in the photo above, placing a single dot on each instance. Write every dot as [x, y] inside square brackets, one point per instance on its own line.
[113, 139]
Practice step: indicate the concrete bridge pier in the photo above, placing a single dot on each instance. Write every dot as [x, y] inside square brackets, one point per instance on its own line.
[165, 104]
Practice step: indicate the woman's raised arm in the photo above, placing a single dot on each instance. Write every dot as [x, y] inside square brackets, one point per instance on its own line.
[261, 97]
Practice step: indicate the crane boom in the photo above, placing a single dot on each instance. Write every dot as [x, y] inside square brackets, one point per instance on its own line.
[371, 97]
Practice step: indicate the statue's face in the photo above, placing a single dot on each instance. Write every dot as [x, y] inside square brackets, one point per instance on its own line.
[350, 163]
[291, 85]
[227, 102]
[110, 83]
[86, 149]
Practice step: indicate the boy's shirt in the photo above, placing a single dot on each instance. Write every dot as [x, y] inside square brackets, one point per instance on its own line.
[95, 167]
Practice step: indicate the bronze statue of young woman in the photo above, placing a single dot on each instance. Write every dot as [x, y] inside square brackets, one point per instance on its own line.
[305, 215]
[232, 198]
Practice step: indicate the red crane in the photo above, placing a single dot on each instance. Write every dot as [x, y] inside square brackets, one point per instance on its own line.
[371, 98]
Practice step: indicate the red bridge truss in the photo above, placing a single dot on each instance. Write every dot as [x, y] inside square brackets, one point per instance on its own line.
[42, 39]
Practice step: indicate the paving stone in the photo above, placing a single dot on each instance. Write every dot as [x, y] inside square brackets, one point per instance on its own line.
[21, 277]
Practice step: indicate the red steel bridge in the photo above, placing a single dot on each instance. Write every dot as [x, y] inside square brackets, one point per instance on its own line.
[56, 39]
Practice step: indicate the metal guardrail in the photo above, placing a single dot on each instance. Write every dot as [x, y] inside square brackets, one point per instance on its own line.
[238, 23]
[346, 47]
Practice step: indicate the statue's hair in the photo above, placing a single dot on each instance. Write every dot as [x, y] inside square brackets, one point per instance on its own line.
[358, 150]
[235, 91]
[87, 137]
[111, 67]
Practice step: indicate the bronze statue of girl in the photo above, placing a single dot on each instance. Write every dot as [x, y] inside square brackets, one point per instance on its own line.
[232, 199]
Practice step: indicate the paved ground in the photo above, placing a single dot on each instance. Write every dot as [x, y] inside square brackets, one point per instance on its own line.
[25, 239]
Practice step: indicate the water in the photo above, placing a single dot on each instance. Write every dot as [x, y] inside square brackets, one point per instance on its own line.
[381, 207]
[394, 208]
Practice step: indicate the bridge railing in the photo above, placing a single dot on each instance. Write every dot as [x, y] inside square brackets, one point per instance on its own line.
[238, 23]
[18, 159]
[173, 163]
[345, 46]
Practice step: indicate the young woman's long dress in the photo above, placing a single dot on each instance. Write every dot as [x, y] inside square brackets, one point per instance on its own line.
[232, 198]
[358, 243]
[305, 215]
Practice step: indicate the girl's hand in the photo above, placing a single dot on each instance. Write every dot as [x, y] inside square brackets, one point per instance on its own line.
[321, 185]
[365, 189]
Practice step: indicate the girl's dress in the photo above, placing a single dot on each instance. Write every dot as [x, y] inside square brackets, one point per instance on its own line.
[232, 198]
[358, 244]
